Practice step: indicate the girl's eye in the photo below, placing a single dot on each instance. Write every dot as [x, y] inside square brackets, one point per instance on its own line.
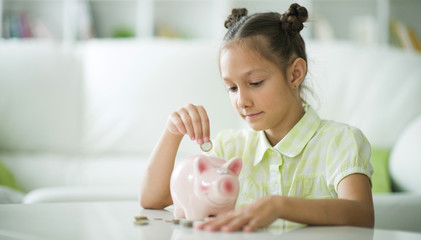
[256, 83]
[232, 89]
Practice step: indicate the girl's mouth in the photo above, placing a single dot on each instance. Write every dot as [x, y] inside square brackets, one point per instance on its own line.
[253, 115]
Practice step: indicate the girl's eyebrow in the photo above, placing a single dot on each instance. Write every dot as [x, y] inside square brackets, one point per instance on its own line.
[252, 71]
[255, 71]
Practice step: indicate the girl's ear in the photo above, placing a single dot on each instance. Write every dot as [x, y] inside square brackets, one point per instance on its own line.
[297, 72]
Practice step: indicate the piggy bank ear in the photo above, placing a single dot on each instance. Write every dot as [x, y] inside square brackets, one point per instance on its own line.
[201, 164]
[234, 165]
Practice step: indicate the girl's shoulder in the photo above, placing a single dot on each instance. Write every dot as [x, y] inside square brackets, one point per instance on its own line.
[333, 131]
[334, 127]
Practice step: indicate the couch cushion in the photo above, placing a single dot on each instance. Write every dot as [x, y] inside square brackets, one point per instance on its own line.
[7, 179]
[397, 211]
[405, 159]
[131, 87]
[45, 170]
[376, 89]
[82, 194]
[40, 97]
[9, 195]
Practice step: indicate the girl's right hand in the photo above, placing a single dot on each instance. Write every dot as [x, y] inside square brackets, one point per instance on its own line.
[191, 120]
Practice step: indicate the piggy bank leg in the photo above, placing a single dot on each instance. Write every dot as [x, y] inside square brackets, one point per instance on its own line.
[179, 212]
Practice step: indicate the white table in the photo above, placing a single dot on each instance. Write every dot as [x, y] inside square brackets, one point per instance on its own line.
[115, 220]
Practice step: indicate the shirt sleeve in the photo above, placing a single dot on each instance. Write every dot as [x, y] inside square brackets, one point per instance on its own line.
[348, 152]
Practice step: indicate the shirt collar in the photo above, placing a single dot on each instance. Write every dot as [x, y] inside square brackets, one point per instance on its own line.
[296, 139]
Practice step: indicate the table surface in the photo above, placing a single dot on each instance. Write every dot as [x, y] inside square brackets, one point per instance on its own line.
[115, 220]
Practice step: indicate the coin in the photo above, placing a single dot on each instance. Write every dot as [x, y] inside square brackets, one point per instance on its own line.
[176, 221]
[207, 146]
[141, 222]
[141, 218]
[187, 223]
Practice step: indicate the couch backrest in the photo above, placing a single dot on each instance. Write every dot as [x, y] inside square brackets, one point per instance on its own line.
[376, 89]
[115, 96]
[40, 97]
[405, 159]
[132, 87]
[105, 96]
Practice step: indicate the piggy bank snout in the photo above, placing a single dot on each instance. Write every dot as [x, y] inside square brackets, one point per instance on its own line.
[228, 186]
[225, 191]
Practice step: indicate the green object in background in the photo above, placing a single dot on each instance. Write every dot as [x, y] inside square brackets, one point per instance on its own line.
[7, 179]
[381, 177]
[123, 32]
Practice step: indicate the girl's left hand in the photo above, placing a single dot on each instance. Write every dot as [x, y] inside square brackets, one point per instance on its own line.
[260, 213]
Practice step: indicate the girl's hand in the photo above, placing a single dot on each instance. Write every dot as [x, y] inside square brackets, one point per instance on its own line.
[191, 120]
[260, 213]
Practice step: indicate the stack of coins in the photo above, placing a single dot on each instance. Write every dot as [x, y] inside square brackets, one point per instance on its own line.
[141, 220]
[187, 223]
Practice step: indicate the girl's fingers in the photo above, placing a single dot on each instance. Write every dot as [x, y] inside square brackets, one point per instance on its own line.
[191, 120]
[251, 226]
[236, 223]
[205, 123]
[209, 224]
[176, 125]
[196, 122]
[187, 122]
[227, 222]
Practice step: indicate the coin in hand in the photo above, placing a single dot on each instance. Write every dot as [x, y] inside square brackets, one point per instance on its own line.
[207, 146]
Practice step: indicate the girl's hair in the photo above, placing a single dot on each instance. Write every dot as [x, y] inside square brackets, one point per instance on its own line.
[276, 37]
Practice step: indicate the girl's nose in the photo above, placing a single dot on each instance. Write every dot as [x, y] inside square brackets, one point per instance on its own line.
[243, 99]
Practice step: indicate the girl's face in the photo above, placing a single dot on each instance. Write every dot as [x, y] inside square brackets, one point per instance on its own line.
[258, 90]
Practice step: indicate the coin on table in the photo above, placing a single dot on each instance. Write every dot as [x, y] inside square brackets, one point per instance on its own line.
[141, 222]
[207, 146]
[176, 221]
[187, 223]
[141, 218]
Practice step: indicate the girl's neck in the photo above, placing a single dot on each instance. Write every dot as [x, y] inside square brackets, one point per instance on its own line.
[275, 135]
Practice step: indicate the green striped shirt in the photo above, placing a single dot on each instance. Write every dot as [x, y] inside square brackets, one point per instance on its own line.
[308, 162]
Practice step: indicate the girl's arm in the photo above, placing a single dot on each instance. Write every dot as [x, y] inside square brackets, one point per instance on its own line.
[354, 207]
[155, 188]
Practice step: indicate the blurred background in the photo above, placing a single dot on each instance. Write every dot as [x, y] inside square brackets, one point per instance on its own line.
[367, 22]
[86, 87]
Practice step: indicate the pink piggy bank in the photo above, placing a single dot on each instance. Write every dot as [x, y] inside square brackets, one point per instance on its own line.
[203, 186]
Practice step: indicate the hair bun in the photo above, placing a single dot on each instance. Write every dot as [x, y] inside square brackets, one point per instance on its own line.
[236, 15]
[293, 19]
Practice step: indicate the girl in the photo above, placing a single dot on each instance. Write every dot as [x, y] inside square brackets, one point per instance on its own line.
[296, 166]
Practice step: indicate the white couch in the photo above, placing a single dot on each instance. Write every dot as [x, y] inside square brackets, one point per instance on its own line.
[77, 123]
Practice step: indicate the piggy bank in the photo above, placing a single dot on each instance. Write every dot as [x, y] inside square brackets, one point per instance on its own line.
[203, 186]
